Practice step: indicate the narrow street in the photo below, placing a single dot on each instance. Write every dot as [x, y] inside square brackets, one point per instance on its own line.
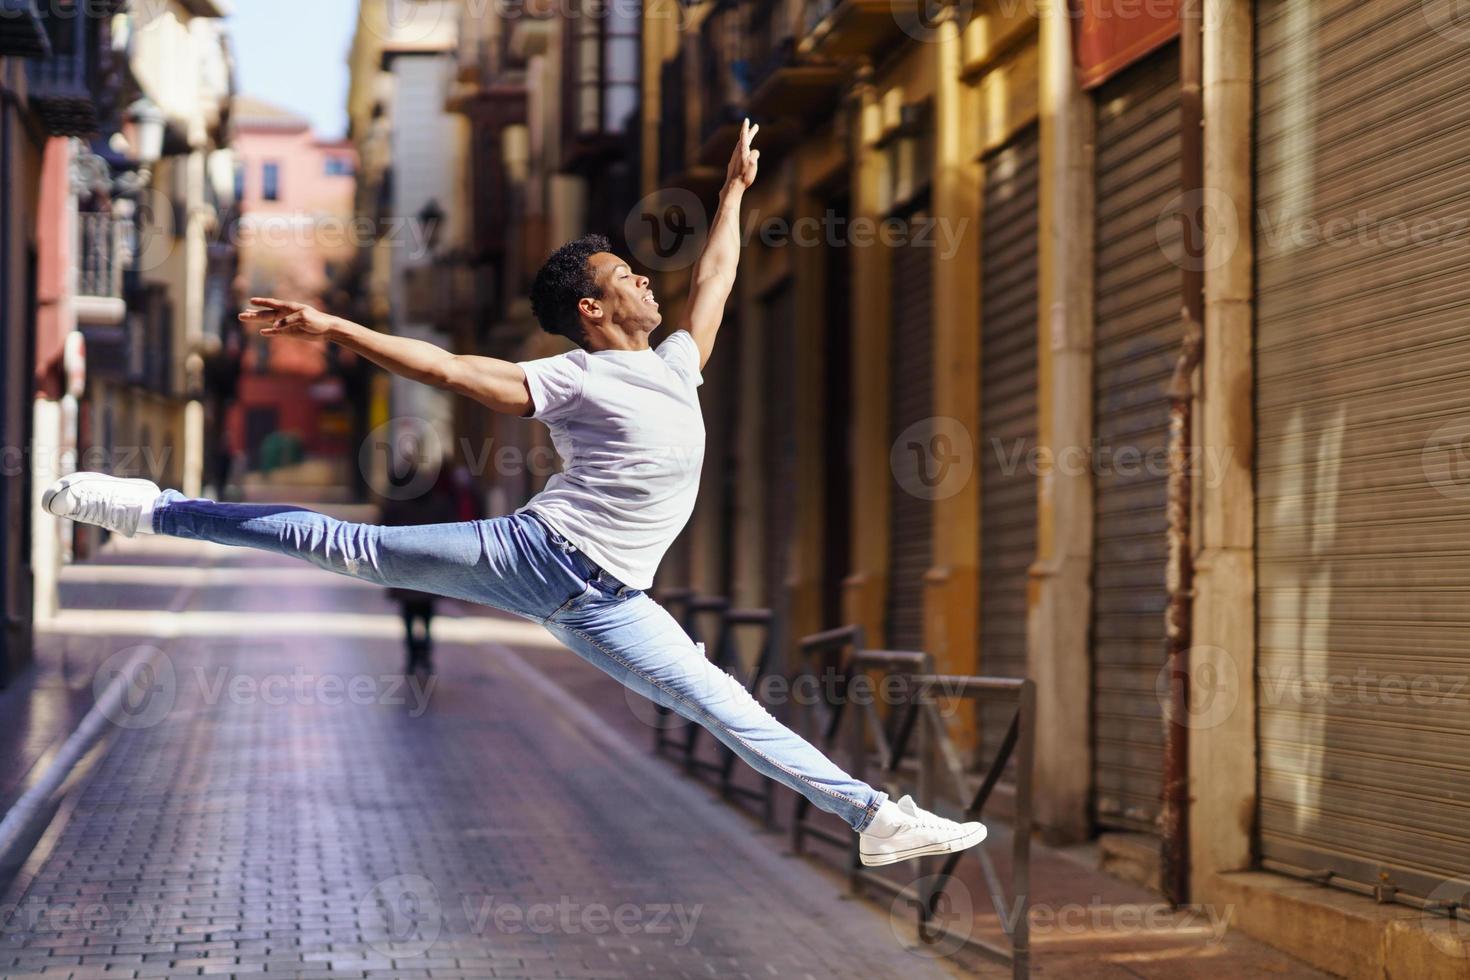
[278, 801]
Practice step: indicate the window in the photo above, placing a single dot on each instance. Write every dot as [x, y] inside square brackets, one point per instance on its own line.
[271, 182]
[338, 167]
[239, 182]
[607, 58]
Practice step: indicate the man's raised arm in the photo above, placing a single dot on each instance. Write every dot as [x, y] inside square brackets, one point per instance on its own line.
[714, 272]
[499, 385]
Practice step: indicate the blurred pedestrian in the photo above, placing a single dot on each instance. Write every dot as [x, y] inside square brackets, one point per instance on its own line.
[439, 504]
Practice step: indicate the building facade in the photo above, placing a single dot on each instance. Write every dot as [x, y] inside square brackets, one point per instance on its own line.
[291, 419]
[997, 255]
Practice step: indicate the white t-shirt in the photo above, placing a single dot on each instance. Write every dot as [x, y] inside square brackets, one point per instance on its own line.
[630, 433]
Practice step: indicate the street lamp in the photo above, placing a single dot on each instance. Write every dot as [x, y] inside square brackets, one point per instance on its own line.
[148, 123]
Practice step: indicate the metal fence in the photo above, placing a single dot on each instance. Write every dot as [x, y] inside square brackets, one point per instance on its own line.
[909, 747]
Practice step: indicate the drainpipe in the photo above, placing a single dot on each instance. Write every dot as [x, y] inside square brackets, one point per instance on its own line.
[1179, 574]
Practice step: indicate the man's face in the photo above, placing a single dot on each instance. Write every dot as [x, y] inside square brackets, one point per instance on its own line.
[627, 298]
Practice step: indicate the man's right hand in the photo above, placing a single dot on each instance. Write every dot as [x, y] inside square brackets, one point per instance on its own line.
[283, 318]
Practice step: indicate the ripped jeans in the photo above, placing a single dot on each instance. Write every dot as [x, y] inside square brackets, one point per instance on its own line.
[523, 566]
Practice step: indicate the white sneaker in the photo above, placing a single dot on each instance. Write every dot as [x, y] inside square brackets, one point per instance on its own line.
[107, 501]
[901, 830]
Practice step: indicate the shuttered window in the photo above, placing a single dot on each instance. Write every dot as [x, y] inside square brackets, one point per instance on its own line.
[1008, 339]
[911, 360]
[1362, 402]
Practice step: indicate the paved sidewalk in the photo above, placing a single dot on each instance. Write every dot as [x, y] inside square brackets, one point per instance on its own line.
[277, 801]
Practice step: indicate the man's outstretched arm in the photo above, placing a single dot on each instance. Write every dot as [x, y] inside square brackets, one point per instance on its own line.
[714, 272]
[499, 385]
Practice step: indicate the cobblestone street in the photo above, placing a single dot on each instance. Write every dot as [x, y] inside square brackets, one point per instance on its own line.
[278, 801]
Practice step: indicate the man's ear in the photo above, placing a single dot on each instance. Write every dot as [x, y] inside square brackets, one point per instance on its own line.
[590, 307]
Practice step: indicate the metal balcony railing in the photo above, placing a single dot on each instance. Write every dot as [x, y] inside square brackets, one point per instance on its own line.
[64, 88]
[769, 41]
[99, 272]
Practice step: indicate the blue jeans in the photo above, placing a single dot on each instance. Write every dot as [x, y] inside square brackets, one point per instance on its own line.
[521, 565]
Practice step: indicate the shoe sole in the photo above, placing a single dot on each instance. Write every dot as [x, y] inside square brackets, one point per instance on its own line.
[942, 847]
[67, 482]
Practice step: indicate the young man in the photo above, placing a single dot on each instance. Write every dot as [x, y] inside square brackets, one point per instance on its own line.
[625, 418]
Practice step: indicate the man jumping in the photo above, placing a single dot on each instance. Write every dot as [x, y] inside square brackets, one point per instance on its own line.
[626, 420]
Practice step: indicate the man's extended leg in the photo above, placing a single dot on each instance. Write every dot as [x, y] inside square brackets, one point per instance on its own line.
[502, 562]
[636, 641]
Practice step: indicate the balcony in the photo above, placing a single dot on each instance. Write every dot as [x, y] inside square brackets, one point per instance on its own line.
[787, 88]
[99, 270]
[675, 168]
[855, 28]
[724, 81]
[72, 90]
[22, 33]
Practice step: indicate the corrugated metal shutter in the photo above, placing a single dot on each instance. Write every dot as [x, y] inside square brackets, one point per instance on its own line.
[1363, 419]
[1138, 301]
[778, 440]
[911, 399]
[1008, 341]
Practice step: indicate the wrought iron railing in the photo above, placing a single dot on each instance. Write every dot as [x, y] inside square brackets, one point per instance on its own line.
[99, 271]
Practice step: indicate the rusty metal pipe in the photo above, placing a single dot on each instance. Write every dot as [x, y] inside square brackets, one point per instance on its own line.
[1179, 572]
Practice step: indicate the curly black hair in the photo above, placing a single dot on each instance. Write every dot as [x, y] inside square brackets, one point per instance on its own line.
[562, 283]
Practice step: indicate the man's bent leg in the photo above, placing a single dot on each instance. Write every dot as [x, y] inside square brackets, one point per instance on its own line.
[639, 643]
[499, 562]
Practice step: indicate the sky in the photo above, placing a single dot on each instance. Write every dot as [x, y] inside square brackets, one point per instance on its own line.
[294, 53]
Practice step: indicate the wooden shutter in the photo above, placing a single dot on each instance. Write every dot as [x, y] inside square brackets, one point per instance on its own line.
[1362, 401]
[1138, 330]
[1008, 435]
[911, 399]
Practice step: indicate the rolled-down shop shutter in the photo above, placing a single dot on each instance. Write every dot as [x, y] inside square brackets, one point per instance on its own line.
[1362, 428]
[911, 399]
[1136, 344]
[1008, 341]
